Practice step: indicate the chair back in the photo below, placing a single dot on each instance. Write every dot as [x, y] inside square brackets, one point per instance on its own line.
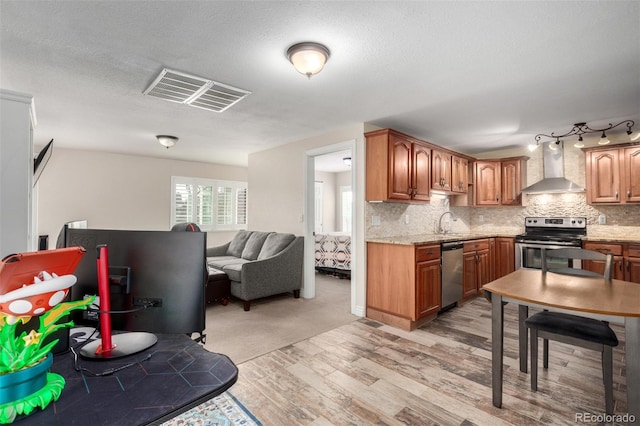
[577, 253]
[186, 226]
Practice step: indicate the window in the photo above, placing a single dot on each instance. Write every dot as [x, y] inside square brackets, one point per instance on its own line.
[214, 205]
[346, 202]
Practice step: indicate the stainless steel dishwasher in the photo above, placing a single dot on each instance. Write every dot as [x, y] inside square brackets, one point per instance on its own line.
[451, 281]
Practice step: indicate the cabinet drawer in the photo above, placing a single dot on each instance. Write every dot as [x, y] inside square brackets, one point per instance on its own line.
[475, 245]
[633, 250]
[427, 253]
[615, 249]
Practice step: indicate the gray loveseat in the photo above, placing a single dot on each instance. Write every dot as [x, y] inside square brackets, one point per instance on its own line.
[260, 264]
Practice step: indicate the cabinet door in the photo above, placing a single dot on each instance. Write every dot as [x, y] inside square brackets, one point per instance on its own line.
[400, 170]
[459, 174]
[427, 288]
[632, 269]
[504, 257]
[603, 169]
[487, 183]
[511, 182]
[484, 268]
[632, 174]
[421, 172]
[441, 170]
[470, 274]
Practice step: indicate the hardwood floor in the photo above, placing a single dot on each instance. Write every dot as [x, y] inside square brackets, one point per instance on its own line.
[369, 373]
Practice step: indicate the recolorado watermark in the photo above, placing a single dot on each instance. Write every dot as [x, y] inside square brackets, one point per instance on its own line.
[604, 418]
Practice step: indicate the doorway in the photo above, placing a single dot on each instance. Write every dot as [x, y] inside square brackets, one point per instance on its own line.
[329, 199]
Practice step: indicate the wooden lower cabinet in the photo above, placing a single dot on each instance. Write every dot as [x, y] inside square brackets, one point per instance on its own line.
[626, 259]
[505, 260]
[476, 260]
[403, 283]
[428, 288]
[632, 263]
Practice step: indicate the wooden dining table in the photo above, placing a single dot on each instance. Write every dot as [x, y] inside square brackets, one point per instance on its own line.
[612, 300]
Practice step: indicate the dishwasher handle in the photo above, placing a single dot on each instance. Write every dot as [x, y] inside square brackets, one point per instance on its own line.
[454, 245]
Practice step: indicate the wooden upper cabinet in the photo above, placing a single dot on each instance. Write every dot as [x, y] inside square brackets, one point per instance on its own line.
[401, 170]
[398, 168]
[421, 172]
[511, 182]
[487, 183]
[441, 170]
[631, 172]
[603, 181]
[613, 174]
[459, 174]
[499, 182]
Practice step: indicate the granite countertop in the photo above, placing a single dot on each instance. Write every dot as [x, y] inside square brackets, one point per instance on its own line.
[628, 236]
[434, 238]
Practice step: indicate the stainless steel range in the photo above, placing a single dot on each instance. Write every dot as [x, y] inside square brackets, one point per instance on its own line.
[549, 233]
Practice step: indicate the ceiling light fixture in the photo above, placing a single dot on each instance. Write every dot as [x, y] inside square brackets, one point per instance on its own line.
[308, 57]
[347, 161]
[580, 129]
[167, 141]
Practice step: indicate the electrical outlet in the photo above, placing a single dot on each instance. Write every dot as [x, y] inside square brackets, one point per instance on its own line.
[406, 219]
[480, 218]
[602, 219]
[375, 220]
[149, 302]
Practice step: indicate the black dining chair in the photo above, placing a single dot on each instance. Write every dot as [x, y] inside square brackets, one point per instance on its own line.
[584, 332]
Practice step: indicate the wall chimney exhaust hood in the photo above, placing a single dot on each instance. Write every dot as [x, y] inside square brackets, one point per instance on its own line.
[554, 181]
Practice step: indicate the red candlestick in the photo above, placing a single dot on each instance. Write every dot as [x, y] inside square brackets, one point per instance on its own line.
[105, 300]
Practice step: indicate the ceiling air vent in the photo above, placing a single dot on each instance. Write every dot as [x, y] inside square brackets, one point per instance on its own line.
[176, 86]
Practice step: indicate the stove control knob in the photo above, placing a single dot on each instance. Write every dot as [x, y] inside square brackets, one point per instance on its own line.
[573, 222]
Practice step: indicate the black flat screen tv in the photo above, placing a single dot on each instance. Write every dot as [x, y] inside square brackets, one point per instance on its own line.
[168, 268]
[41, 161]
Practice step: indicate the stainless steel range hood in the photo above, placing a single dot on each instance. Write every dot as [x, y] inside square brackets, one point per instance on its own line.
[554, 181]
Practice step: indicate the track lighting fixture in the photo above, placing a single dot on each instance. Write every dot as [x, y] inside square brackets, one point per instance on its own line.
[580, 129]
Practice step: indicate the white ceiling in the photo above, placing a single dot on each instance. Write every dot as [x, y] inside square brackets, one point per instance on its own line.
[470, 76]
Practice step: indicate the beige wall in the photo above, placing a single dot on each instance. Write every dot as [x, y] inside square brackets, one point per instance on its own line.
[277, 200]
[276, 181]
[115, 191]
[329, 197]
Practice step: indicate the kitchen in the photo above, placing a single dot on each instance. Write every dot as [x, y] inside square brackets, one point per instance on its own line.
[401, 223]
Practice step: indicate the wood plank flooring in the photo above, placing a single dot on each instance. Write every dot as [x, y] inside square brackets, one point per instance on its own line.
[369, 373]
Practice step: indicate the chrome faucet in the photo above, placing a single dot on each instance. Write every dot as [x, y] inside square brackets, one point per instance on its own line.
[441, 230]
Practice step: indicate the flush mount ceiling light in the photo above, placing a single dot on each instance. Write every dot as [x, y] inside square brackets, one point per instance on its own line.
[580, 129]
[308, 57]
[347, 161]
[167, 141]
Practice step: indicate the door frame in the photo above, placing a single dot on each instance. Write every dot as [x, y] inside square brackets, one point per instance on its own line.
[309, 290]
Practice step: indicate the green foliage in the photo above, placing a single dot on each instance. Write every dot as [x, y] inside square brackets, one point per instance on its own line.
[25, 349]
[25, 406]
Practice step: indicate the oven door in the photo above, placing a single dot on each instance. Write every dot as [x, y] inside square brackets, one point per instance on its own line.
[528, 256]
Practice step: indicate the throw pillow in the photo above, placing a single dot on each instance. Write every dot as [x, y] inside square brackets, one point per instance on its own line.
[254, 245]
[274, 244]
[237, 244]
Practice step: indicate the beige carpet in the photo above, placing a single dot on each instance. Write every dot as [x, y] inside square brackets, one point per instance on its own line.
[277, 321]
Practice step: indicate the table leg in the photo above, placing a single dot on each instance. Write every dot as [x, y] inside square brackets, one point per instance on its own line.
[632, 355]
[523, 314]
[497, 329]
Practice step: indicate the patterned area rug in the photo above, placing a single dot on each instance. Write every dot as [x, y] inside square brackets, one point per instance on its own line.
[223, 410]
